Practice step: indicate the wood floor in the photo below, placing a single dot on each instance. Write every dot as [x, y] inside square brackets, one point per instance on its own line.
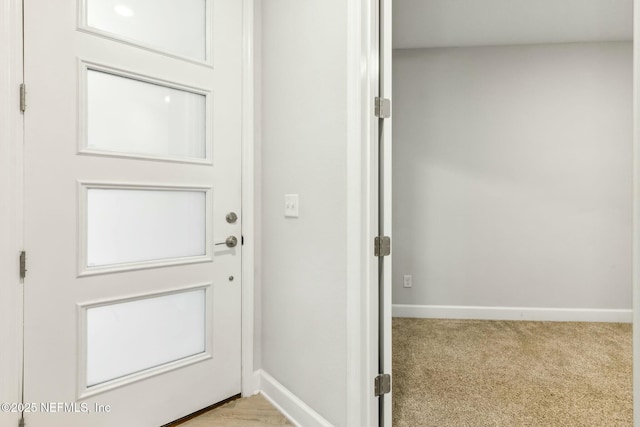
[251, 411]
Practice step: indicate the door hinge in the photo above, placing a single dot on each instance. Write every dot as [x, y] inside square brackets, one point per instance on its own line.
[23, 97]
[382, 384]
[23, 264]
[383, 108]
[382, 246]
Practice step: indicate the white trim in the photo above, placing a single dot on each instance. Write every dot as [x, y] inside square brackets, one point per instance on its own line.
[250, 378]
[369, 89]
[636, 213]
[362, 213]
[362, 344]
[512, 313]
[298, 412]
[11, 207]
[386, 70]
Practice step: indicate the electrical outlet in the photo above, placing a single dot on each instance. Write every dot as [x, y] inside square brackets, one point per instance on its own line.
[408, 281]
[291, 206]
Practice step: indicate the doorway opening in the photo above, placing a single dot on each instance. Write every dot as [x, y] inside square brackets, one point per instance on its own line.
[512, 212]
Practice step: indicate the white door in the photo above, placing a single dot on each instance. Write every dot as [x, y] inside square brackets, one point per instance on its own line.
[132, 163]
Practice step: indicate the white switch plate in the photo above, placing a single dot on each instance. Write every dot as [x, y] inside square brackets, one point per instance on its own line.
[291, 206]
[408, 281]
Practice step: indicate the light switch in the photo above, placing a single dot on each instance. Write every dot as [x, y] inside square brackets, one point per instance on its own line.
[291, 206]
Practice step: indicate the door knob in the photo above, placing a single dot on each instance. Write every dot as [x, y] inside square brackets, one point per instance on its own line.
[231, 217]
[231, 242]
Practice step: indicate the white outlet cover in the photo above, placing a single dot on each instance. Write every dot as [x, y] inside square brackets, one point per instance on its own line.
[408, 281]
[291, 206]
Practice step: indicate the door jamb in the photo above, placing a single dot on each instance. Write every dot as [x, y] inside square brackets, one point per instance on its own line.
[250, 377]
[11, 207]
[362, 212]
[361, 336]
[636, 214]
[386, 207]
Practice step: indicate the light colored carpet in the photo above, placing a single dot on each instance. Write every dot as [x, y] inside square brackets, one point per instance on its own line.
[504, 373]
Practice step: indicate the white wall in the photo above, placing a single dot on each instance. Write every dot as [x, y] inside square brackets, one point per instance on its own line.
[513, 176]
[447, 23]
[303, 260]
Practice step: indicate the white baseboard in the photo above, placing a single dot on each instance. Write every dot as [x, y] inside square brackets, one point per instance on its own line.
[512, 313]
[289, 404]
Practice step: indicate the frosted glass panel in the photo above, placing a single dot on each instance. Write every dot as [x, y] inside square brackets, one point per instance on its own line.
[129, 337]
[174, 26]
[126, 226]
[130, 116]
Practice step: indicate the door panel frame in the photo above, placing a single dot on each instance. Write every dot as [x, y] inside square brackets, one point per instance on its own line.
[83, 25]
[11, 212]
[84, 391]
[85, 270]
[86, 65]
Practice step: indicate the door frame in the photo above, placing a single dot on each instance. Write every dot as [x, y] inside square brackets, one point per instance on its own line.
[635, 255]
[249, 376]
[11, 211]
[11, 195]
[369, 203]
[363, 69]
[386, 202]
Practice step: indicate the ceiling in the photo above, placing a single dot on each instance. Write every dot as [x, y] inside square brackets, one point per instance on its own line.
[449, 23]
